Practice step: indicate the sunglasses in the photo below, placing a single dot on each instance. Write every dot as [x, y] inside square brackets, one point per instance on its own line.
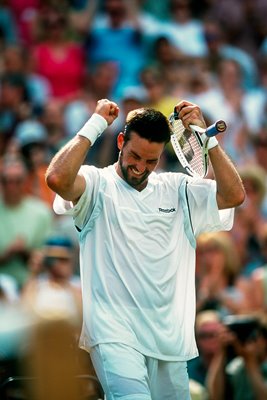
[13, 181]
[207, 335]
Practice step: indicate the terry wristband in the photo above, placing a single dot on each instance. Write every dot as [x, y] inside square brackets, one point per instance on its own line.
[93, 128]
[212, 142]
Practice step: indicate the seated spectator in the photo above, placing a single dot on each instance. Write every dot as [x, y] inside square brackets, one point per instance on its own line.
[59, 58]
[219, 285]
[207, 329]
[244, 377]
[25, 221]
[259, 143]
[18, 60]
[220, 95]
[158, 97]
[258, 278]
[55, 291]
[31, 137]
[14, 106]
[219, 48]
[183, 25]
[173, 65]
[8, 28]
[25, 13]
[52, 119]
[250, 220]
[114, 33]
[256, 100]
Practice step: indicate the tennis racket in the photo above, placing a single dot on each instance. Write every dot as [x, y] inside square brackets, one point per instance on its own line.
[191, 145]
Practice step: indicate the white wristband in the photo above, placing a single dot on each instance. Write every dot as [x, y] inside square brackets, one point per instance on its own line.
[212, 142]
[93, 128]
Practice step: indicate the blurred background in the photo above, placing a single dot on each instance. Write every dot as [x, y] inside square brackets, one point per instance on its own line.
[57, 58]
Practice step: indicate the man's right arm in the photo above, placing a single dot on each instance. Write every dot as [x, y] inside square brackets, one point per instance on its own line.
[62, 175]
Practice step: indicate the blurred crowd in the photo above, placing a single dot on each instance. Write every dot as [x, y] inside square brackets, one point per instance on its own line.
[57, 58]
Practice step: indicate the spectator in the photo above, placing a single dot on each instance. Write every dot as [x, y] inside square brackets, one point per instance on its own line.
[219, 285]
[207, 327]
[221, 94]
[101, 81]
[55, 292]
[25, 14]
[114, 34]
[249, 219]
[256, 100]
[31, 138]
[259, 143]
[25, 221]
[14, 106]
[245, 376]
[53, 121]
[8, 27]
[17, 59]
[219, 48]
[258, 278]
[173, 65]
[182, 25]
[58, 58]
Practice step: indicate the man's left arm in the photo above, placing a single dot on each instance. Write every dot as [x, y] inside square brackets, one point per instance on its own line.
[230, 189]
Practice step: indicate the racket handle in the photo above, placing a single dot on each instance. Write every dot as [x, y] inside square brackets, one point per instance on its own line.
[214, 129]
[175, 114]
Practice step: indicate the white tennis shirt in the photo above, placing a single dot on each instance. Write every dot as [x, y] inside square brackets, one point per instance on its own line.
[137, 258]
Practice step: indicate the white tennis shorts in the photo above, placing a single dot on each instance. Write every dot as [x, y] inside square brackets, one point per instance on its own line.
[126, 374]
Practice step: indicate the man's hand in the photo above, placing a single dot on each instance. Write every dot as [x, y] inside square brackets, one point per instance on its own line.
[107, 109]
[190, 114]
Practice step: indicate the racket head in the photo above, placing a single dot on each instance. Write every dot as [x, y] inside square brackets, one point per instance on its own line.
[189, 147]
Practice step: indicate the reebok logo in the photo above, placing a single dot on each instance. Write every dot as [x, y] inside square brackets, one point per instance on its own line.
[167, 210]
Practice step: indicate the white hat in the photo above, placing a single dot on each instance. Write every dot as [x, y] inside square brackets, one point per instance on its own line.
[30, 131]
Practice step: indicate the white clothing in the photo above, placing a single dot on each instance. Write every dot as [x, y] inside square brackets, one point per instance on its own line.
[127, 374]
[55, 300]
[138, 258]
[188, 37]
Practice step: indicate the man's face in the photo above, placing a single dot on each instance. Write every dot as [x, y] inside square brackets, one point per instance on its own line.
[138, 158]
[13, 184]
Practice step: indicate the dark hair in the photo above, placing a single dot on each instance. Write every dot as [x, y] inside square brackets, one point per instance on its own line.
[149, 124]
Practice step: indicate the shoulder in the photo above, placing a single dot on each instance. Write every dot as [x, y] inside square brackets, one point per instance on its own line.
[167, 178]
[90, 171]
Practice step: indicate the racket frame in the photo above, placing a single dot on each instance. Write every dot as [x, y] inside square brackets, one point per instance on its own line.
[202, 136]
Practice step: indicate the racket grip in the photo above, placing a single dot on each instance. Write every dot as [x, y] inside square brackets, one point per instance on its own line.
[217, 127]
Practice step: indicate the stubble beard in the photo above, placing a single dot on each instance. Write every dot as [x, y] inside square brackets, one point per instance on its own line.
[131, 180]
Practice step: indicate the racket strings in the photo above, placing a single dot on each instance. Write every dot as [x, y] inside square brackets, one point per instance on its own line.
[190, 147]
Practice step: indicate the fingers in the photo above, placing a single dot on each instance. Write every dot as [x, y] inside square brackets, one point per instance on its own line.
[185, 109]
[108, 109]
[190, 113]
[114, 110]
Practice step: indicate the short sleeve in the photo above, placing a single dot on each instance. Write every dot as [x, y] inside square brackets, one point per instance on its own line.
[205, 215]
[82, 210]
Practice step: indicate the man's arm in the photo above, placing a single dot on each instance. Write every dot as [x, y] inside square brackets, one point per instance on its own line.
[62, 175]
[230, 189]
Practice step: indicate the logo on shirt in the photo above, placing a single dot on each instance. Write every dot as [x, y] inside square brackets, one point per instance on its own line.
[167, 210]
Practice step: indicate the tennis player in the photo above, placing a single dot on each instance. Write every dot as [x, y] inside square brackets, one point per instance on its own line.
[137, 231]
